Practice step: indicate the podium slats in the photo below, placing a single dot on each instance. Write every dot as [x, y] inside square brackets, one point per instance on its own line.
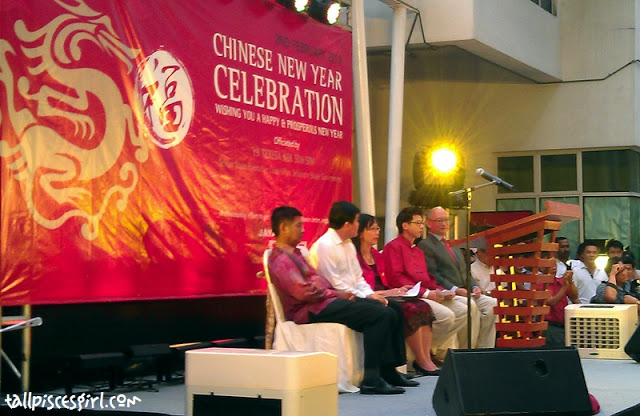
[521, 294]
[521, 310]
[522, 249]
[522, 278]
[522, 326]
[520, 342]
[523, 262]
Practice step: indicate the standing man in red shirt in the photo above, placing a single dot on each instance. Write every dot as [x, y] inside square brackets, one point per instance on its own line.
[562, 289]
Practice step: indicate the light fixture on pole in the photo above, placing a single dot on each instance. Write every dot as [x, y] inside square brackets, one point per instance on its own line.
[437, 169]
[325, 11]
[297, 5]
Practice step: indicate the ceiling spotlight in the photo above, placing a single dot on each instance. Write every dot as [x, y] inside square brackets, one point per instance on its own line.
[325, 11]
[297, 5]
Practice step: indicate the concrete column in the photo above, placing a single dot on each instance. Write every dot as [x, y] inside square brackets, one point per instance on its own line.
[394, 152]
[361, 110]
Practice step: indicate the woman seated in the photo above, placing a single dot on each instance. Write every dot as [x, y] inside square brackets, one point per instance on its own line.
[618, 288]
[417, 314]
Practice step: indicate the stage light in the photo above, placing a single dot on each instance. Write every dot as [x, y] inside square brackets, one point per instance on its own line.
[444, 160]
[325, 11]
[437, 170]
[297, 5]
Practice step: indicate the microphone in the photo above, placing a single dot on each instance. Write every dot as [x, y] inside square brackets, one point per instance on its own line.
[496, 179]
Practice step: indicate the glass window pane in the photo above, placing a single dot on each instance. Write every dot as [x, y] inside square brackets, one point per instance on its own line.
[546, 4]
[610, 170]
[518, 171]
[520, 204]
[634, 246]
[570, 230]
[606, 218]
[559, 173]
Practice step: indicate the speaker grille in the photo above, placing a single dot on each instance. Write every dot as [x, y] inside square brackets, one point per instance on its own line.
[595, 332]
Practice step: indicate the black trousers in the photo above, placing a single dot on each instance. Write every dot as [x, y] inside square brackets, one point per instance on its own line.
[380, 325]
[554, 335]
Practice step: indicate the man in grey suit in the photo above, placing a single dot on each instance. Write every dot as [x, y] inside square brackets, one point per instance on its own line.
[448, 266]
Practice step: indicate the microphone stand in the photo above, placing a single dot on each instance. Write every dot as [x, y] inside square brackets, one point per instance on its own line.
[15, 327]
[467, 254]
[22, 325]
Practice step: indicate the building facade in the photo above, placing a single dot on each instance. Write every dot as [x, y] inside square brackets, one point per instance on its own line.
[541, 93]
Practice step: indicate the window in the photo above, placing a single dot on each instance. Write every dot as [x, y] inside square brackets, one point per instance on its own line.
[608, 191]
[608, 218]
[558, 173]
[518, 171]
[610, 171]
[516, 204]
[548, 5]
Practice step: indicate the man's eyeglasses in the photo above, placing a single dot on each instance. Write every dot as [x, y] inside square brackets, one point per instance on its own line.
[440, 220]
[417, 222]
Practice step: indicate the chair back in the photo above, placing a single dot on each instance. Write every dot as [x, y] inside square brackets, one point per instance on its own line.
[275, 299]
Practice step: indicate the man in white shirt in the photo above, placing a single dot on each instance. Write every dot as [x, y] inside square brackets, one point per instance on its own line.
[562, 260]
[482, 272]
[586, 274]
[335, 258]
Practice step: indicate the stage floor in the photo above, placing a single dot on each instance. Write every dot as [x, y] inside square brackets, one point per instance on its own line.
[615, 383]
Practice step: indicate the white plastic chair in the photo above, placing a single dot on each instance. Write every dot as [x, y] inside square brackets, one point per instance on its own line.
[333, 338]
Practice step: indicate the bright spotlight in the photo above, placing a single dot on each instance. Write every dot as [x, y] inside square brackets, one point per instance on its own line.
[297, 5]
[601, 261]
[444, 160]
[325, 11]
[437, 170]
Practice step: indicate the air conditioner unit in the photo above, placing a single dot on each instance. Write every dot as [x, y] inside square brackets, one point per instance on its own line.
[600, 331]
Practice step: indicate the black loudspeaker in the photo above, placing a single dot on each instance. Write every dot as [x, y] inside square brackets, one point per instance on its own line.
[512, 382]
[633, 345]
[629, 411]
[211, 405]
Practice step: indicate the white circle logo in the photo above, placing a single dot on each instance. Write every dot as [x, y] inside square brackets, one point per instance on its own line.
[166, 95]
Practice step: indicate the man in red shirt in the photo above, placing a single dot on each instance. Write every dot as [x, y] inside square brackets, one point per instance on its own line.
[308, 297]
[562, 288]
[405, 265]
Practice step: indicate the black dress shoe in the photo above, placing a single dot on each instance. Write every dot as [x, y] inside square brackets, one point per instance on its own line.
[381, 387]
[399, 379]
[424, 372]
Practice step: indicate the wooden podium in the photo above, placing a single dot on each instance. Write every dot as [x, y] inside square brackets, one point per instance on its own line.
[513, 247]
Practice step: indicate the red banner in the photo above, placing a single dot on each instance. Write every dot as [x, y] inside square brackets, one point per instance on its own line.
[144, 144]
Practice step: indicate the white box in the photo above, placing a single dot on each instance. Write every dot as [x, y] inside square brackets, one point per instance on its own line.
[600, 331]
[305, 382]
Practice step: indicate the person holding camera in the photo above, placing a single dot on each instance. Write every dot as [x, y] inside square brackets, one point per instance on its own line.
[618, 288]
[562, 290]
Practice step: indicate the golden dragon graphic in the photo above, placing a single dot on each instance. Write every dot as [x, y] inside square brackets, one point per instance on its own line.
[58, 90]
